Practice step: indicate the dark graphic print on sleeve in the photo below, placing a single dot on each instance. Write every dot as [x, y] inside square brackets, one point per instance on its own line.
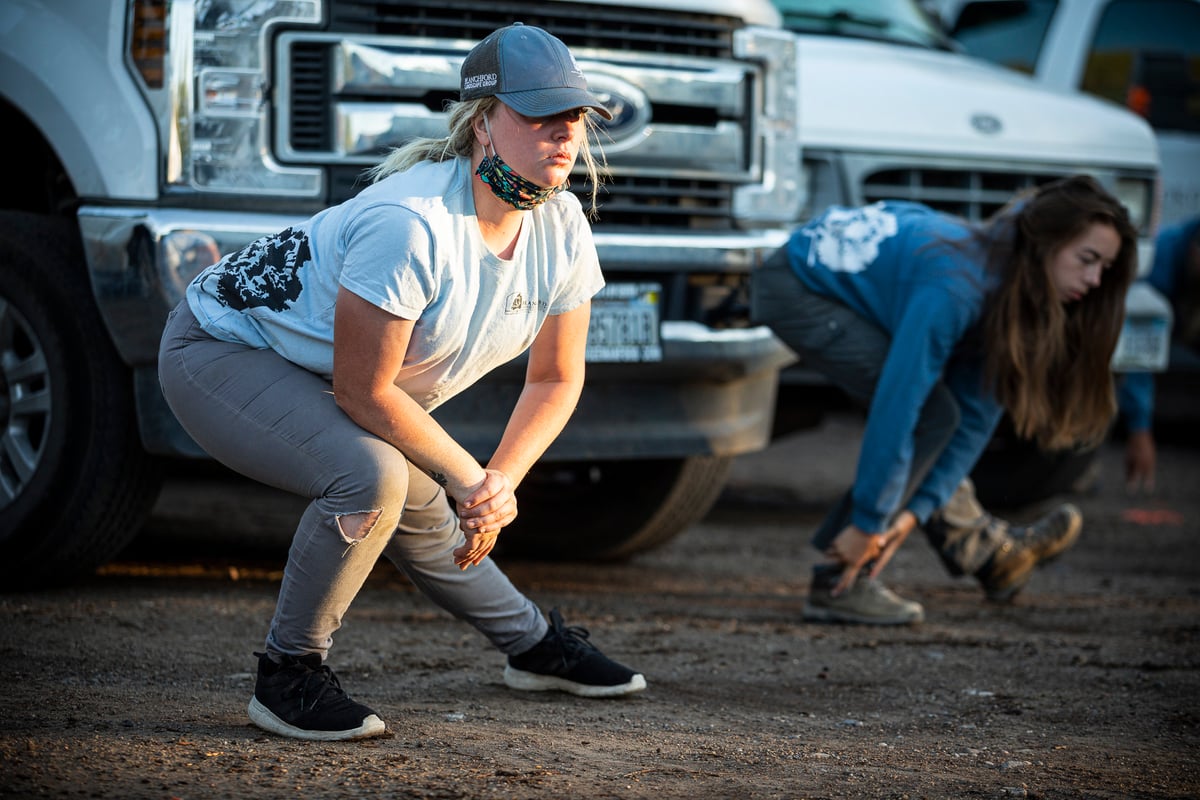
[265, 273]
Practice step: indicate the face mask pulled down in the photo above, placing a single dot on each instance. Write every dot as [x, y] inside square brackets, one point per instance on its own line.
[509, 187]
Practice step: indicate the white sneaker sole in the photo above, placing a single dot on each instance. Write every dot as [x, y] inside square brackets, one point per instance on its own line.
[533, 682]
[262, 716]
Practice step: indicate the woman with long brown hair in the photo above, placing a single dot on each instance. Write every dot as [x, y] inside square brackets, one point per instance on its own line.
[939, 327]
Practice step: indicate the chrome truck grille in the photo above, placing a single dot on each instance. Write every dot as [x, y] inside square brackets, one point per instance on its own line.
[974, 194]
[684, 141]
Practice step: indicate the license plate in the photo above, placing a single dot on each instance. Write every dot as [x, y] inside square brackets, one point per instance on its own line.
[1143, 346]
[624, 325]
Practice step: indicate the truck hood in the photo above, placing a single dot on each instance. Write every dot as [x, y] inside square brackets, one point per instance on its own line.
[754, 12]
[876, 97]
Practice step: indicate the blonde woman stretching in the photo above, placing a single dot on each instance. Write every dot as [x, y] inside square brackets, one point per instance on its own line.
[311, 359]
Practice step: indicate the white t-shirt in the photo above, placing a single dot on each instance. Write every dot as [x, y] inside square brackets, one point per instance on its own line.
[409, 244]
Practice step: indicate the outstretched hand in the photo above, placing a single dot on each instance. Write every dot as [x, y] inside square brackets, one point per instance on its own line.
[482, 514]
[1140, 462]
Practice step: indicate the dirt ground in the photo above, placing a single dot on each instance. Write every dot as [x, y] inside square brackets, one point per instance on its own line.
[134, 684]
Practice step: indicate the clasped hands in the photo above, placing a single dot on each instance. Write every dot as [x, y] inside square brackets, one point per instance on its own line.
[854, 548]
[488, 507]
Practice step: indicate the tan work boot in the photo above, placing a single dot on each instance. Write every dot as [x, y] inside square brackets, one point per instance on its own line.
[867, 602]
[1025, 548]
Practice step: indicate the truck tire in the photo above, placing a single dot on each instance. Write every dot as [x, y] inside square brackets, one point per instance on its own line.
[610, 510]
[75, 483]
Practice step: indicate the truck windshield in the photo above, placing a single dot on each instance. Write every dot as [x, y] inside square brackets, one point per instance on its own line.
[898, 21]
[1008, 32]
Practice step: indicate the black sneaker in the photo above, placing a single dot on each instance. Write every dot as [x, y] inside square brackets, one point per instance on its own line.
[301, 698]
[1025, 548]
[565, 660]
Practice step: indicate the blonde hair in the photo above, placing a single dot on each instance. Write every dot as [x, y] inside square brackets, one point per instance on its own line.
[1049, 362]
[461, 116]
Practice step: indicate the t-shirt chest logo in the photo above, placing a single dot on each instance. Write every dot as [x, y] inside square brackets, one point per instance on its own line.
[516, 303]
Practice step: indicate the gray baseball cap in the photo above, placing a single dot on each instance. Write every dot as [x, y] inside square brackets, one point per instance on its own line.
[531, 71]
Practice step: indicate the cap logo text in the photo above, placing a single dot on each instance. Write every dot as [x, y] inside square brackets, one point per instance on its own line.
[483, 81]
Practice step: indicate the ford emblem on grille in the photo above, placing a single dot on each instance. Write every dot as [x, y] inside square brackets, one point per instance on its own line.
[629, 106]
[986, 123]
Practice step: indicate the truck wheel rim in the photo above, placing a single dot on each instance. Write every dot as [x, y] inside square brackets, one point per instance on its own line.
[25, 403]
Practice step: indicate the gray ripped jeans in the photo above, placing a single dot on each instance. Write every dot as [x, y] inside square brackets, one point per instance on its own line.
[850, 351]
[278, 424]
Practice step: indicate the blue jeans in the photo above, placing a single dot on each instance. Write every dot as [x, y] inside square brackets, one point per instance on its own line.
[849, 351]
[278, 424]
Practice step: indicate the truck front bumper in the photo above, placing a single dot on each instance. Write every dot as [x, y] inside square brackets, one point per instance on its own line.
[713, 393]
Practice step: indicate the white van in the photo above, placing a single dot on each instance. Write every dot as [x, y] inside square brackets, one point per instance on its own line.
[1142, 54]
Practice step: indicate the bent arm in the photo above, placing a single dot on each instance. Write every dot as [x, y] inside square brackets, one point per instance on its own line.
[369, 345]
[916, 358]
[553, 383]
[980, 414]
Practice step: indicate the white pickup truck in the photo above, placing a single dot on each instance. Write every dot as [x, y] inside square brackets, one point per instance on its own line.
[146, 137]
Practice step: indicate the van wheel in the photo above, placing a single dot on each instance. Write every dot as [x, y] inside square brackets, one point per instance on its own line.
[75, 484]
[610, 510]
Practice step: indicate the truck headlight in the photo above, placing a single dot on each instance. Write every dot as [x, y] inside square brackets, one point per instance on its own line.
[1137, 195]
[217, 134]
